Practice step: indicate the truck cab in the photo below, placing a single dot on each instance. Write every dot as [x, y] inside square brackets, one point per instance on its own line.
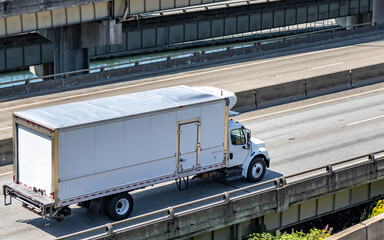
[246, 152]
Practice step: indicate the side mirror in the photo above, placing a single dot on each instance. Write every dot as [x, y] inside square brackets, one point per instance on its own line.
[248, 135]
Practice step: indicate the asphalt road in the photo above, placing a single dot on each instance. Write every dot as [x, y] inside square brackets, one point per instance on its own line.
[299, 136]
[235, 74]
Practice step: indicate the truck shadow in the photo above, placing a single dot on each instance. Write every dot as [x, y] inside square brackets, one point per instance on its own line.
[151, 199]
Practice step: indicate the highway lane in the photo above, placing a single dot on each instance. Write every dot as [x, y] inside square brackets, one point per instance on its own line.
[235, 74]
[299, 136]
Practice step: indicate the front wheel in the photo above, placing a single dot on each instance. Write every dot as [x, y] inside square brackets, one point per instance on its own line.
[119, 206]
[256, 170]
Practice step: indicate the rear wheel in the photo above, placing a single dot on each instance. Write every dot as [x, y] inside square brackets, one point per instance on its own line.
[119, 206]
[256, 170]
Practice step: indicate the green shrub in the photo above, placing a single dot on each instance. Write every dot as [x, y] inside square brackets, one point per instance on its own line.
[314, 234]
[378, 209]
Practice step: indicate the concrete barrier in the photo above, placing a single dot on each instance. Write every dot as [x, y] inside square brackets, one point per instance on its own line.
[281, 93]
[357, 232]
[371, 229]
[367, 75]
[245, 100]
[328, 83]
[6, 152]
[375, 227]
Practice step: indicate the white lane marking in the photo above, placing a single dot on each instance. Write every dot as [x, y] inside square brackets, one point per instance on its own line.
[328, 65]
[6, 128]
[312, 105]
[365, 120]
[4, 174]
[178, 77]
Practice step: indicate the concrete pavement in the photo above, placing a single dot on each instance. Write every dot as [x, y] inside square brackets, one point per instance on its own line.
[299, 136]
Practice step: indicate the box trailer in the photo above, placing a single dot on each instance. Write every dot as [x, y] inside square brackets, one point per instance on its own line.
[105, 148]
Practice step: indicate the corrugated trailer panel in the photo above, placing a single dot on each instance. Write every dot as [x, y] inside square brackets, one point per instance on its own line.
[212, 134]
[109, 155]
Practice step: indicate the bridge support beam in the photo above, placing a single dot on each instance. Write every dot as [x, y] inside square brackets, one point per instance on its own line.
[378, 11]
[350, 21]
[71, 44]
[42, 69]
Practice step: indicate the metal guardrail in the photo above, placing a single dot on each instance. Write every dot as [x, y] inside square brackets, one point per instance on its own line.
[188, 54]
[225, 197]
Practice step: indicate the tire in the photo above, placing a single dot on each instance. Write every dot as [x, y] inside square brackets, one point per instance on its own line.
[119, 206]
[256, 170]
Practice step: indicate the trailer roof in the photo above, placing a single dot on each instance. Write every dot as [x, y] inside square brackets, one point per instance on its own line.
[78, 113]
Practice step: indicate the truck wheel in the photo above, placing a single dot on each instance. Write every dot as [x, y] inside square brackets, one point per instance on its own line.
[256, 170]
[119, 206]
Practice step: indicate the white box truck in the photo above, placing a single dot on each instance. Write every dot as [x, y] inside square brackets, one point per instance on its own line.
[105, 148]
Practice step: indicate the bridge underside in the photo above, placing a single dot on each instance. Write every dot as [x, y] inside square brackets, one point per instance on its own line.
[165, 32]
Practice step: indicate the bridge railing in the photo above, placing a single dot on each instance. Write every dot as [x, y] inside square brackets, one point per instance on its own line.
[183, 55]
[225, 197]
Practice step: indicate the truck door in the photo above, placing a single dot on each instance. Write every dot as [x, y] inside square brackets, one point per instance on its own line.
[189, 146]
[238, 150]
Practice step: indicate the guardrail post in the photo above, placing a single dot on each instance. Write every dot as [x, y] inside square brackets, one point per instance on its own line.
[373, 166]
[282, 194]
[109, 229]
[330, 178]
[171, 212]
[226, 197]
[173, 222]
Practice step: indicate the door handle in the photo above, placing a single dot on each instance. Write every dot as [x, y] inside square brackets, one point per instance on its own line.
[182, 160]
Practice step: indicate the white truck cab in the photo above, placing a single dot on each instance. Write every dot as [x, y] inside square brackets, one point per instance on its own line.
[247, 152]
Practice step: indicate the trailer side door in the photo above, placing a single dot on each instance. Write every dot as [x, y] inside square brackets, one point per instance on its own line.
[189, 146]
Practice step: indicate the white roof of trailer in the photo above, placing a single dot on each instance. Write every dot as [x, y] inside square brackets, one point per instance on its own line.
[78, 113]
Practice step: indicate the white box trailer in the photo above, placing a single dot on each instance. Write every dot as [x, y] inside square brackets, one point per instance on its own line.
[104, 148]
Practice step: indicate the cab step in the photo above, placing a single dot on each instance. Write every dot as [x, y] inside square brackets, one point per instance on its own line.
[232, 174]
[233, 178]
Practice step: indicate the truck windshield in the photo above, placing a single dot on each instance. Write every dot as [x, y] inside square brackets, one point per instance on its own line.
[237, 137]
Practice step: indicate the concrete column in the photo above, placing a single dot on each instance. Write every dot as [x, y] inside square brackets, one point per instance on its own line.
[349, 21]
[42, 69]
[69, 55]
[71, 43]
[378, 11]
[353, 20]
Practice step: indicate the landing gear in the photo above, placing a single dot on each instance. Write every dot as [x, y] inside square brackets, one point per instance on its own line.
[180, 181]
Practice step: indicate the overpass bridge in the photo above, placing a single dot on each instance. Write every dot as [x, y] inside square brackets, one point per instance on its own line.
[271, 205]
[52, 34]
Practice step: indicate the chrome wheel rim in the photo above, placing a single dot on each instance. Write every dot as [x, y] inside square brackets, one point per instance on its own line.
[122, 206]
[257, 170]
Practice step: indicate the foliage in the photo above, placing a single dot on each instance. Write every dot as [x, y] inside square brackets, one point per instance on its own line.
[378, 209]
[314, 234]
